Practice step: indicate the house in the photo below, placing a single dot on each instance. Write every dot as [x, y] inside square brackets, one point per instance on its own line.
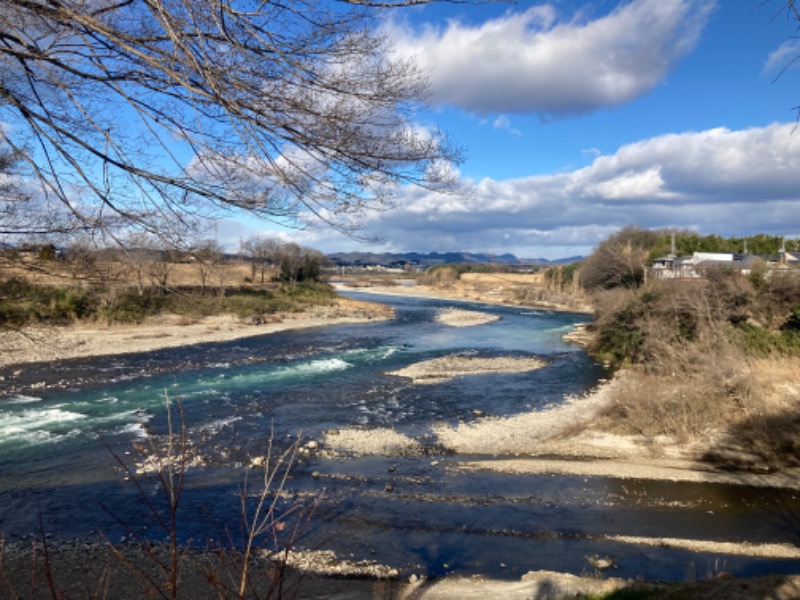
[695, 266]
[792, 258]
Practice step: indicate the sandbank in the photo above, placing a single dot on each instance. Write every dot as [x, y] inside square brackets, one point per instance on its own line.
[439, 370]
[455, 317]
[497, 289]
[524, 433]
[380, 441]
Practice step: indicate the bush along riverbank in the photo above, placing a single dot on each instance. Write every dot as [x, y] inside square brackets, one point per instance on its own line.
[23, 303]
[713, 363]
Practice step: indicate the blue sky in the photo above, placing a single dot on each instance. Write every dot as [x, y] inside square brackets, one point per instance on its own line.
[579, 118]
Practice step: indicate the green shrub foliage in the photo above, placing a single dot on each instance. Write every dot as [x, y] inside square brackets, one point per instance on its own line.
[667, 323]
[24, 303]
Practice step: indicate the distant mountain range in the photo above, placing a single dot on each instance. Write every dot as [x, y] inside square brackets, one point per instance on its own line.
[392, 259]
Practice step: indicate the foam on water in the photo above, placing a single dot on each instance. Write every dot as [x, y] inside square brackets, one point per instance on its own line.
[216, 425]
[372, 354]
[563, 328]
[300, 370]
[137, 430]
[36, 438]
[201, 392]
[327, 365]
[225, 377]
[36, 425]
[21, 399]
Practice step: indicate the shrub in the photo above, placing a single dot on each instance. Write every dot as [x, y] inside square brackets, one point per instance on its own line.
[440, 276]
[312, 292]
[563, 276]
[22, 303]
[132, 307]
[762, 342]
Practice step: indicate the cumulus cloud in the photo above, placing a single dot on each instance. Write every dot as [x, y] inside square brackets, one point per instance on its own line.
[717, 181]
[541, 62]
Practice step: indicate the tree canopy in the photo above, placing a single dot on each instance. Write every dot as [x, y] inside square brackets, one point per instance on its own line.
[157, 112]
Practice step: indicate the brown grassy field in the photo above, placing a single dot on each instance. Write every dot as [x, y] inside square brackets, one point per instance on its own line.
[56, 272]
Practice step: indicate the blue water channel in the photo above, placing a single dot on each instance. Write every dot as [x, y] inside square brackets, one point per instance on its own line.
[67, 429]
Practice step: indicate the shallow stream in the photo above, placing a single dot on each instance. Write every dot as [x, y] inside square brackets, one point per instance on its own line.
[61, 425]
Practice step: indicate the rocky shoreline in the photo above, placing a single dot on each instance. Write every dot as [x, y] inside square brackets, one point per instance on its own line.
[95, 569]
[32, 569]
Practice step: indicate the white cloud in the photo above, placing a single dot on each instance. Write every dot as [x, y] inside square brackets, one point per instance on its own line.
[784, 57]
[503, 122]
[538, 62]
[716, 181]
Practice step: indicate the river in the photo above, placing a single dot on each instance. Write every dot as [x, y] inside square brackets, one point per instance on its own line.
[62, 424]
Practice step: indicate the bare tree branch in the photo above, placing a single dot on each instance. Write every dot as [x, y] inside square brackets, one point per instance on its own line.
[161, 112]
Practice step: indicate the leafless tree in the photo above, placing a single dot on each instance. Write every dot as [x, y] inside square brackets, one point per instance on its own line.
[156, 113]
[290, 258]
[792, 12]
[82, 259]
[160, 266]
[140, 250]
[208, 255]
[262, 253]
[619, 260]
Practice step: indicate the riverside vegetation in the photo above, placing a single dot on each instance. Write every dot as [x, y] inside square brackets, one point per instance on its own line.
[92, 286]
[712, 360]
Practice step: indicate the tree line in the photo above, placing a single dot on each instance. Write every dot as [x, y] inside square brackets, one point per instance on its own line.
[148, 262]
[621, 259]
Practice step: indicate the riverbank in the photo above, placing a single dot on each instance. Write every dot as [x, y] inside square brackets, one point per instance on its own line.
[83, 569]
[129, 572]
[54, 343]
[587, 436]
[525, 290]
[45, 344]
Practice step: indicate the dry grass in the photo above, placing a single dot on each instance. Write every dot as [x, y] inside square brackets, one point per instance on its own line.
[375, 310]
[53, 272]
[745, 413]
[768, 428]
